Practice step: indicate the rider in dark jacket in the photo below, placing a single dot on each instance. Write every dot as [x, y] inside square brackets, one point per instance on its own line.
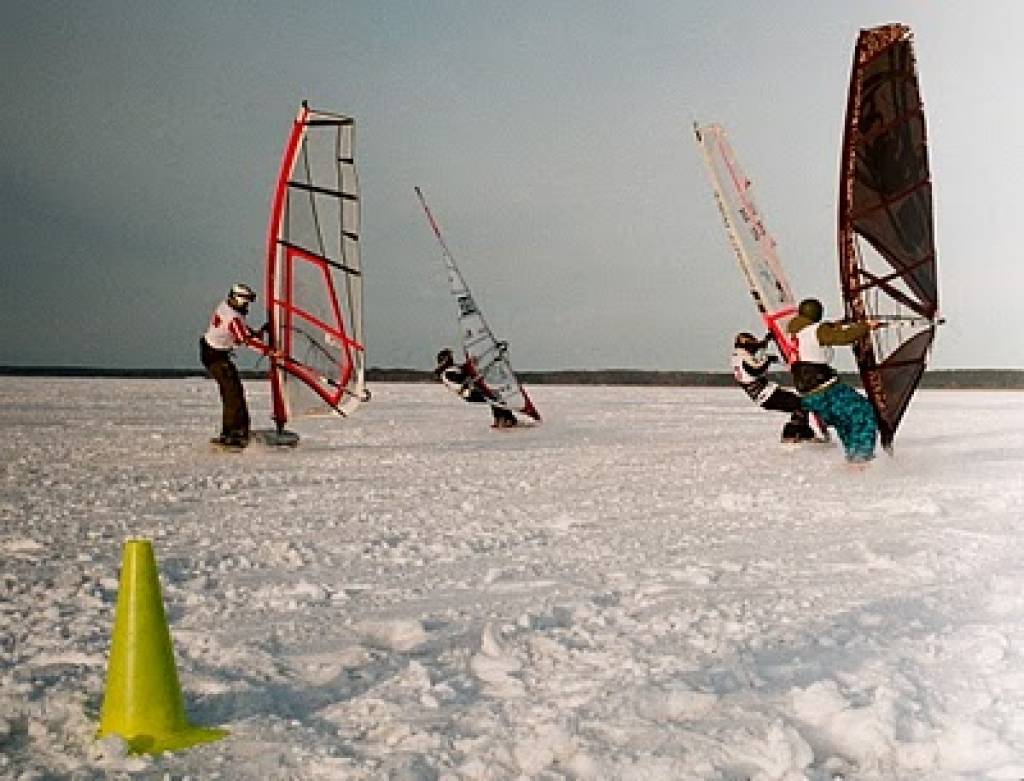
[462, 380]
[750, 366]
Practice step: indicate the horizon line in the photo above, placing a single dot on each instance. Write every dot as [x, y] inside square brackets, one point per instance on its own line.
[952, 379]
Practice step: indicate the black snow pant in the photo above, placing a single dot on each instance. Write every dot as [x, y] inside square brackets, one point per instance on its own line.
[798, 427]
[235, 422]
[502, 417]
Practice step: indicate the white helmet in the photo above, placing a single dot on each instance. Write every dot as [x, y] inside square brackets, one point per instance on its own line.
[240, 296]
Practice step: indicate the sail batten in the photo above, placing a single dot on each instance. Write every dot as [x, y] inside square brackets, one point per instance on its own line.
[889, 201]
[330, 122]
[323, 190]
[322, 258]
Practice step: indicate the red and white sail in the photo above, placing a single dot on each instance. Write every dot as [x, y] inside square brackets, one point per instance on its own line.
[487, 357]
[314, 279]
[753, 245]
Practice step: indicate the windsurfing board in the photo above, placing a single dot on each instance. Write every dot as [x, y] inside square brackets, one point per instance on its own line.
[522, 424]
[264, 437]
[274, 438]
[794, 444]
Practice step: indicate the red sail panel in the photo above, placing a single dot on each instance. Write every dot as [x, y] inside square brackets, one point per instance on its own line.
[886, 225]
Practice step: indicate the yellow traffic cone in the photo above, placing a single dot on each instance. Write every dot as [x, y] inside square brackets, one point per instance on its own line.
[143, 702]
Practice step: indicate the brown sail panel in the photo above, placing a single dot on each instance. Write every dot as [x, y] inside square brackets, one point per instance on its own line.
[886, 225]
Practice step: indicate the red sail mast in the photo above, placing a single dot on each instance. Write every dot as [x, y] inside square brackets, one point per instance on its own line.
[272, 292]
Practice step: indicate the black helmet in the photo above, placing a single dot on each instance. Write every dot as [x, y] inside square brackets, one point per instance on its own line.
[445, 358]
[746, 341]
[812, 309]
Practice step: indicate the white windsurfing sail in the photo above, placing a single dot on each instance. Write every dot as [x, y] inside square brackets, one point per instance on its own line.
[750, 240]
[314, 278]
[487, 357]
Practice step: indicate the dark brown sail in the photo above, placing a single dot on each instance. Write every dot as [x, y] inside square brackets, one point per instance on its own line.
[886, 228]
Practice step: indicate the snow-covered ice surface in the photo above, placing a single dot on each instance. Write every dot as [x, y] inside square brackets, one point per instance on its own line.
[647, 586]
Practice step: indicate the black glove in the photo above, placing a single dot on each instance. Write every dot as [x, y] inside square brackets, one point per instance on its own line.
[772, 359]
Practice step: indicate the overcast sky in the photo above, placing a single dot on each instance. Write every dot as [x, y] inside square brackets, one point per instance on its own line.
[139, 142]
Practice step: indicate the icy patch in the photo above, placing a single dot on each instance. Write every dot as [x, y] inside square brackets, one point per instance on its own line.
[111, 754]
[865, 732]
[494, 667]
[68, 657]
[395, 635]
[24, 547]
[736, 502]
[1005, 597]
[970, 748]
[542, 746]
[675, 703]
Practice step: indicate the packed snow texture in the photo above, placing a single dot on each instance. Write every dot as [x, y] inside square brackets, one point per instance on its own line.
[646, 586]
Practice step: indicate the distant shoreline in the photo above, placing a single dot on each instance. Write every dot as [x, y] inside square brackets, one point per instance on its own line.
[965, 379]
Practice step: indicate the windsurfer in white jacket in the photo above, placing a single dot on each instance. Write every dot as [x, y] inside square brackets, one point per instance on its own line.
[463, 381]
[750, 365]
[822, 392]
[227, 330]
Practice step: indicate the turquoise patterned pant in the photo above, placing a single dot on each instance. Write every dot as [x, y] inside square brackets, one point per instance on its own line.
[852, 416]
